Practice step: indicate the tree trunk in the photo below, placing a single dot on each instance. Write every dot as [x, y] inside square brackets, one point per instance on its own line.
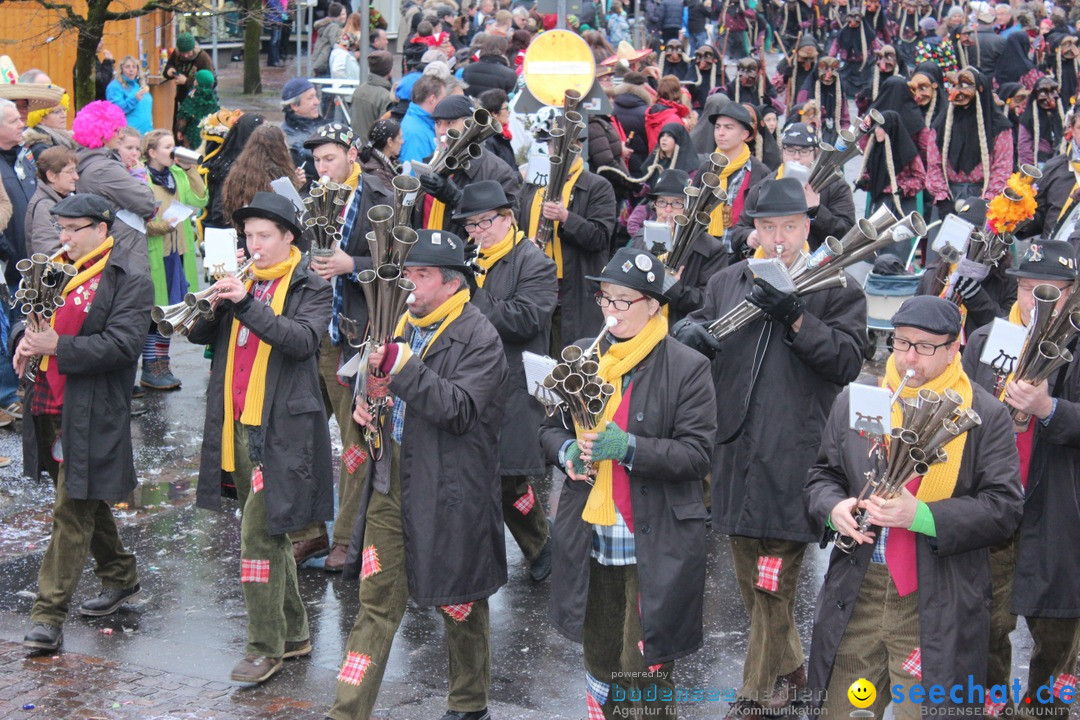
[252, 46]
[90, 33]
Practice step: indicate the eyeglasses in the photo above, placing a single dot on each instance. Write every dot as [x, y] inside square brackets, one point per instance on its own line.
[672, 204]
[800, 152]
[605, 301]
[901, 345]
[70, 231]
[484, 224]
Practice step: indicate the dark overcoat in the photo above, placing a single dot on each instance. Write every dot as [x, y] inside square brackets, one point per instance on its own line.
[100, 365]
[586, 238]
[672, 415]
[451, 488]
[1047, 580]
[298, 471]
[518, 298]
[953, 568]
[769, 420]
[485, 167]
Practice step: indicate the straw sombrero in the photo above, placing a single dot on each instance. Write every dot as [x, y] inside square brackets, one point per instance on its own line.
[625, 51]
[40, 95]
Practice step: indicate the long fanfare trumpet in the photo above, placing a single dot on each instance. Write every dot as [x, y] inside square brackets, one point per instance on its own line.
[567, 149]
[1045, 348]
[323, 208]
[824, 268]
[179, 319]
[577, 386]
[700, 203]
[386, 292]
[929, 422]
[40, 294]
[465, 146]
[830, 162]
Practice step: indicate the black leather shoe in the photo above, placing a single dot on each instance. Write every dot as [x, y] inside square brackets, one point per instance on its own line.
[109, 601]
[44, 637]
[473, 715]
[541, 566]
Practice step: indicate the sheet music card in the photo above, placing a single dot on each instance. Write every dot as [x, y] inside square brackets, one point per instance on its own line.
[220, 251]
[1003, 346]
[869, 410]
[538, 367]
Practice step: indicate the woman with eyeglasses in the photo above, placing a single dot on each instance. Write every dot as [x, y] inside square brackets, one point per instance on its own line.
[495, 101]
[628, 541]
[517, 293]
[57, 172]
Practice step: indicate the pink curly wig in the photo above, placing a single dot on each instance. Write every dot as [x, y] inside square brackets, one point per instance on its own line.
[96, 123]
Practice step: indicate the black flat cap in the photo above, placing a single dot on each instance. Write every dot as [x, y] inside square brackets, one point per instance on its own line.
[637, 270]
[437, 248]
[85, 205]
[1047, 260]
[736, 112]
[930, 313]
[481, 197]
[453, 107]
[778, 198]
[271, 206]
[331, 133]
[672, 183]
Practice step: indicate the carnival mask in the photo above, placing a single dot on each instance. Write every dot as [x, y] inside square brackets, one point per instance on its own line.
[963, 92]
[887, 59]
[922, 89]
[748, 71]
[872, 6]
[827, 68]
[705, 59]
[807, 56]
[1069, 48]
[854, 17]
[1047, 93]
[967, 37]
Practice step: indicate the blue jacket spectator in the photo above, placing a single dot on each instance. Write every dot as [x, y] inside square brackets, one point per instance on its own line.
[130, 95]
[418, 127]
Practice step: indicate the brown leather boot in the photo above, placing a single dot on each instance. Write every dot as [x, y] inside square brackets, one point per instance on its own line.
[307, 549]
[743, 709]
[335, 561]
[787, 689]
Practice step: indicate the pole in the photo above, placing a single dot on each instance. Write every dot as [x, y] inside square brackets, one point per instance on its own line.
[365, 43]
[560, 9]
[297, 27]
[214, 34]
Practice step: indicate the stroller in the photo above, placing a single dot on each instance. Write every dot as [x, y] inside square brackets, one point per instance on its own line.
[885, 293]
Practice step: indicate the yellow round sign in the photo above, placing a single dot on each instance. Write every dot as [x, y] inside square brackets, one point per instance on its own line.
[557, 61]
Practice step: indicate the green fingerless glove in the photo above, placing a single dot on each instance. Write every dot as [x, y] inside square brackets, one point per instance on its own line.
[611, 443]
[573, 458]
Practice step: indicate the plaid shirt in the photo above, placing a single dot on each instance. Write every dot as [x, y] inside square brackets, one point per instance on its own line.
[419, 340]
[351, 211]
[879, 547]
[41, 402]
[613, 544]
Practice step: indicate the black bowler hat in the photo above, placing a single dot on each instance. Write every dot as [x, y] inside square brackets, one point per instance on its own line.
[672, 183]
[437, 248]
[85, 205]
[777, 198]
[930, 313]
[271, 206]
[453, 107]
[972, 209]
[481, 197]
[637, 270]
[330, 133]
[1047, 260]
[736, 112]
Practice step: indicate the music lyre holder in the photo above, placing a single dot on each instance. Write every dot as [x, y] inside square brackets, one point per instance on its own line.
[1003, 366]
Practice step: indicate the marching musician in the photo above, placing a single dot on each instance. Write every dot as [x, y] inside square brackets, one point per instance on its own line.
[832, 212]
[517, 294]
[709, 256]
[1059, 189]
[910, 604]
[584, 218]
[334, 155]
[1030, 573]
[88, 353]
[266, 427]
[774, 378]
[733, 129]
[445, 191]
[430, 527]
[629, 546]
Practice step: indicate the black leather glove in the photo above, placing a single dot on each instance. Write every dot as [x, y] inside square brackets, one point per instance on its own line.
[784, 308]
[696, 336]
[441, 188]
[967, 287]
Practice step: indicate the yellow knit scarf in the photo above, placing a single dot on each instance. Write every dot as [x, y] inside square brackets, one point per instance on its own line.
[621, 358]
[721, 216]
[354, 176]
[256, 388]
[83, 274]
[449, 311]
[940, 482]
[488, 257]
[554, 248]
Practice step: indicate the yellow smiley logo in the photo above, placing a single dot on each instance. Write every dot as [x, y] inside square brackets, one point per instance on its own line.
[862, 693]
